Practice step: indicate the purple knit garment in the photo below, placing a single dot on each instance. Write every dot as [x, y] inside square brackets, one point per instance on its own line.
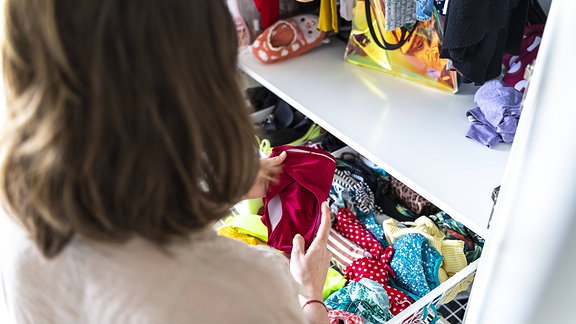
[495, 118]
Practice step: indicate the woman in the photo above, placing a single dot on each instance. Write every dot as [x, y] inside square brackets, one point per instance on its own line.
[126, 138]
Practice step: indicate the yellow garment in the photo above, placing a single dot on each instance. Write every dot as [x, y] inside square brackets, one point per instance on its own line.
[422, 225]
[249, 224]
[328, 16]
[442, 275]
[453, 255]
[452, 292]
[452, 251]
[229, 232]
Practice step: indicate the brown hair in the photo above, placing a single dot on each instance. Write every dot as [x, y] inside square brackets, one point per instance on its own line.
[124, 118]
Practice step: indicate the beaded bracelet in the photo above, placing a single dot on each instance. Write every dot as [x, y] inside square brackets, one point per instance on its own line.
[315, 301]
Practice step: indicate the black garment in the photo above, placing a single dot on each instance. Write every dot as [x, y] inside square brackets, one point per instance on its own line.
[536, 15]
[261, 98]
[285, 125]
[477, 33]
[331, 143]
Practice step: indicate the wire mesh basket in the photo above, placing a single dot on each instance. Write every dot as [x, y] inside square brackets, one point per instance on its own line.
[453, 312]
[442, 304]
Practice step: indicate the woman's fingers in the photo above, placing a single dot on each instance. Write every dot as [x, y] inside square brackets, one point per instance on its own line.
[270, 167]
[325, 223]
[319, 245]
[279, 158]
[269, 163]
[321, 239]
[297, 246]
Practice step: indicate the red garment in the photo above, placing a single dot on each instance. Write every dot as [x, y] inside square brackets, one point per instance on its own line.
[376, 267]
[337, 316]
[349, 226]
[516, 64]
[344, 251]
[377, 270]
[269, 11]
[293, 203]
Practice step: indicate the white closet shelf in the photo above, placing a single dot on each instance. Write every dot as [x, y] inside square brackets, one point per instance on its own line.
[415, 133]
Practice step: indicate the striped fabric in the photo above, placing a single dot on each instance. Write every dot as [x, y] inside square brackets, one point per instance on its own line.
[452, 254]
[352, 192]
[344, 251]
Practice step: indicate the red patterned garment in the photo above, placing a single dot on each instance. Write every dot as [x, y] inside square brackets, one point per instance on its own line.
[377, 267]
[337, 316]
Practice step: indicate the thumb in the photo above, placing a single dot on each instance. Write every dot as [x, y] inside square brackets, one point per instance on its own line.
[279, 159]
[297, 246]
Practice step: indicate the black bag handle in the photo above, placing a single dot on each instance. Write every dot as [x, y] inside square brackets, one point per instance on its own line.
[404, 37]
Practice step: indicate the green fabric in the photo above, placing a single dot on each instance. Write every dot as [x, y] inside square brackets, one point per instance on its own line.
[334, 282]
[254, 205]
[314, 131]
[249, 224]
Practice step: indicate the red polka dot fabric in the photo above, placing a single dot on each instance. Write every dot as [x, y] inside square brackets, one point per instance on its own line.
[349, 227]
[376, 267]
[337, 316]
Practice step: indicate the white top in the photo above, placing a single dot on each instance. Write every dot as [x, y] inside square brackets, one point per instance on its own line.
[210, 279]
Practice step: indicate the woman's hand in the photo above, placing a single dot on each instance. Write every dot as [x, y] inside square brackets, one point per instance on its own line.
[269, 169]
[310, 268]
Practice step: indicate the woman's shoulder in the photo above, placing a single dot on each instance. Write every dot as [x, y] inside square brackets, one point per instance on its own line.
[31, 283]
[17, 249]
[208, 277]
[218, 254]
[212, 278]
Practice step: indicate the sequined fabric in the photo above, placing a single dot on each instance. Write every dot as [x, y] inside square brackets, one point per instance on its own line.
[416, 264]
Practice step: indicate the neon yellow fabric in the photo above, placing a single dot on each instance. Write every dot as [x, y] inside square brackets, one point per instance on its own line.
[254, 205]
[249, 224]
[312, 132]
[334, 282]
[265, 147]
